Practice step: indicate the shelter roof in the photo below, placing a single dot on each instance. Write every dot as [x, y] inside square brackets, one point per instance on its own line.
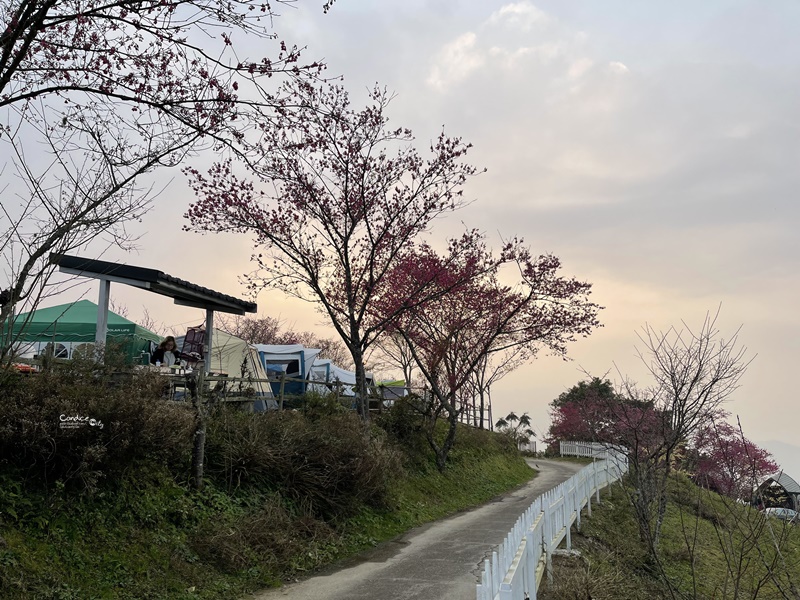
[786, 482]
[183, 292]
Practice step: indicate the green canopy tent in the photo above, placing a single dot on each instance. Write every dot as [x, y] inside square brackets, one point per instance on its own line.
[67, 326]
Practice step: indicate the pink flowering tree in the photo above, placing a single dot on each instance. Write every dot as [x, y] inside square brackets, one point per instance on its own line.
[493, 303]
[587, 412]
[729, 463]
[335, 202]
[96, 94]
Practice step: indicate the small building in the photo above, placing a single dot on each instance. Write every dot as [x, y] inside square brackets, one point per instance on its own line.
[781, 489]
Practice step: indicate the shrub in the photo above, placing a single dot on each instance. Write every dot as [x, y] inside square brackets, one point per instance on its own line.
[81, 422]
[329, 465]
[319, 406]
[403, 423]
[269, 535]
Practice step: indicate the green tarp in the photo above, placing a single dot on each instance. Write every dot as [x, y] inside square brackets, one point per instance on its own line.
[77, 322]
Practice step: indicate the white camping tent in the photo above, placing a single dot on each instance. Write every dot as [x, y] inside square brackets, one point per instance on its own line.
[347, 380]
[320, 371]
[236, 358]
[328, 375]
[301, 363]
[323, 370]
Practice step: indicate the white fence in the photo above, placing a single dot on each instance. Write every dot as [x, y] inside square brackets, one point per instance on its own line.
[515, 570]
[591, 450]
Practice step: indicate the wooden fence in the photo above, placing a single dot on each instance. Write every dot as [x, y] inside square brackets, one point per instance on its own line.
[517, 566]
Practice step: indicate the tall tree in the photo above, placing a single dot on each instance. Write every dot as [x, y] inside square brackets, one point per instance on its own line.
[587, 412]
[451, 334]
[336, 200]
[694, 372]
[491, 369]
[97, 93]
[395, 354]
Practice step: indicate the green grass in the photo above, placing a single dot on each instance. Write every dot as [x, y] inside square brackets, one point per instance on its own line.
[424, 497]
[711, 548]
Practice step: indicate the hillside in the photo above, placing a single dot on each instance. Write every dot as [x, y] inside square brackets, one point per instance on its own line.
[712, 547]
[108, 512]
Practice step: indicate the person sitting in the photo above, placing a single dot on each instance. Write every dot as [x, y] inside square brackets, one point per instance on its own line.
[166, 354]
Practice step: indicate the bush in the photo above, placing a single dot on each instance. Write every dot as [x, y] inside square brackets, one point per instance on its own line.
[269, 536]
[403, 423]
[330, 466]
[317, 406]
[82, 422]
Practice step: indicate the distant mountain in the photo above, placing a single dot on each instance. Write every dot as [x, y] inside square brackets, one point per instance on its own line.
[786, 455]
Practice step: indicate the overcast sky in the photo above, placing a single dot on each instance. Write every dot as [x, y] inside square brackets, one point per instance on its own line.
[654, 148]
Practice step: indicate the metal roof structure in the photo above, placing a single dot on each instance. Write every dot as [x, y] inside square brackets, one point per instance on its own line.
[787, 483]
[181, 291]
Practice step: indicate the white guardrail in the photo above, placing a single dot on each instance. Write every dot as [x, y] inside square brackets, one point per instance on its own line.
[516, 568]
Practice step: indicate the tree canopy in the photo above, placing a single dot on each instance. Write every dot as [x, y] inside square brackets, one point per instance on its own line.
[97, 94]
[335, 200]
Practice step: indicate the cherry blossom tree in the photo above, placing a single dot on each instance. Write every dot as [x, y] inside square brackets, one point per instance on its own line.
[335, 201]
[450, 334]
[587, 412]
[729, 463]
[255, 330]
[98, 93]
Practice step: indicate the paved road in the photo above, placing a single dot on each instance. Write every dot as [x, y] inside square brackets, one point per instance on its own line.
[439, 561]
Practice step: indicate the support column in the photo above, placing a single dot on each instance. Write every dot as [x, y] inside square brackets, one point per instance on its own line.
[207, 345]
[102, 318]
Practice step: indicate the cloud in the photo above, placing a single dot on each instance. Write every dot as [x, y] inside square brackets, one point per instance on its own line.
[520, 15]
[456, 61]
[506, 42]
[510, 59]
[579, 67]
[618, 67]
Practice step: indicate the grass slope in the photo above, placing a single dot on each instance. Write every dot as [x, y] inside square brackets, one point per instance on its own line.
[711, 548]
[146, 536]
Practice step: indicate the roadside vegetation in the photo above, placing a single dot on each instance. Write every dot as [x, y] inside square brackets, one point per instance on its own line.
[91, 512]
[711, 547]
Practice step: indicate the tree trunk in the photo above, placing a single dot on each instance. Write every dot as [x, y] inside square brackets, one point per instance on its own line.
[199, 444]
[662, 500]
[361, 382]
[444, 450]
[198, 453]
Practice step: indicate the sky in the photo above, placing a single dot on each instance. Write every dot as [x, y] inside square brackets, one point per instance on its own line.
[652, 146]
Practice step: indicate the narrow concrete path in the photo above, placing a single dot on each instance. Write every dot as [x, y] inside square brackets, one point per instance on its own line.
[438, 561]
